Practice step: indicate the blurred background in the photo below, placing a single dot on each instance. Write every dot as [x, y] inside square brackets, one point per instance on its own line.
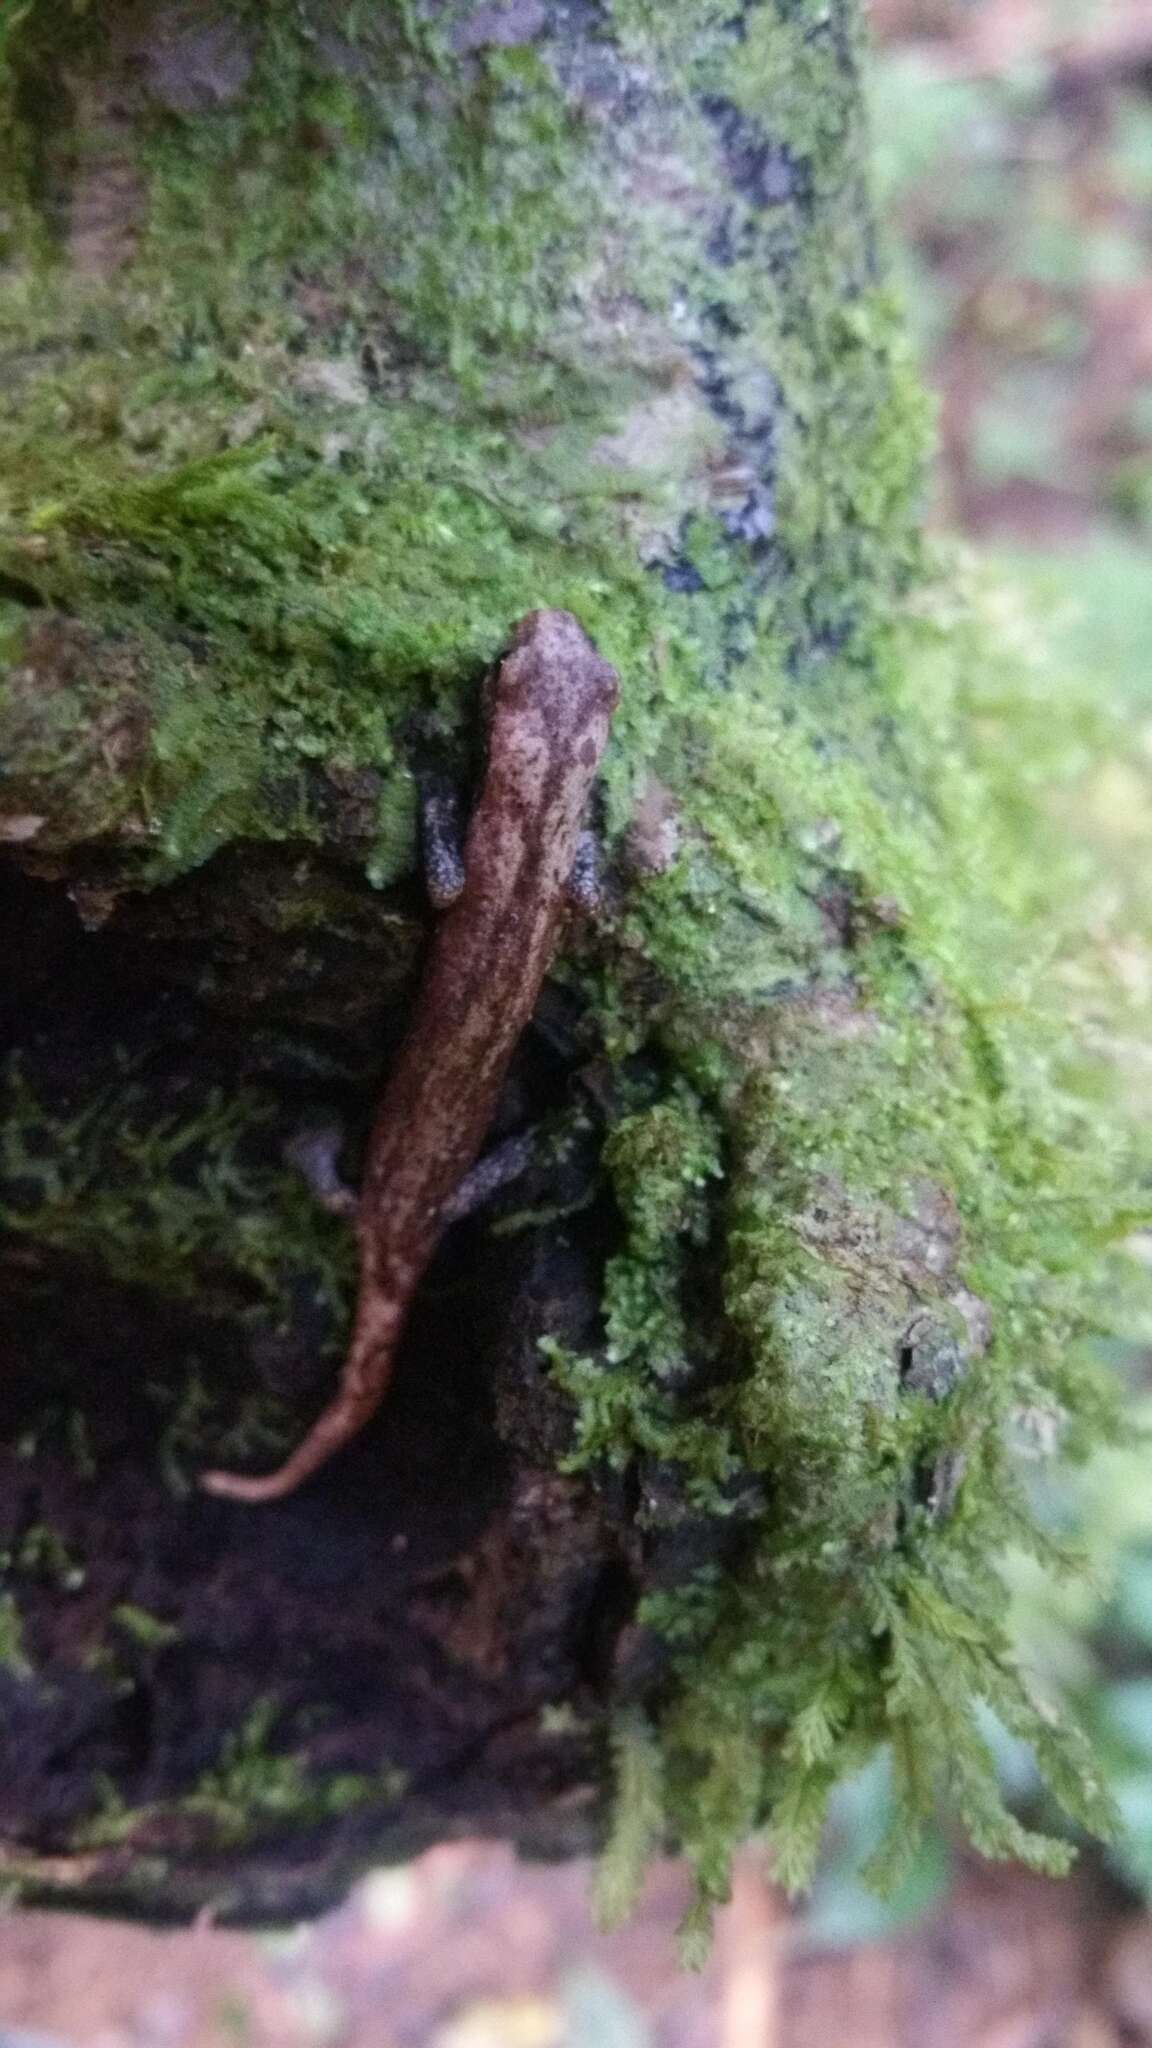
[1014, 157]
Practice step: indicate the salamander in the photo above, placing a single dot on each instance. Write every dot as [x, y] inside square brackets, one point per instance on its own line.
[549, 706]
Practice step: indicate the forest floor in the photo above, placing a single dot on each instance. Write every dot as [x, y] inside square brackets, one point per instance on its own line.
[1014, 148]
[468, 1949]
[1015, 154]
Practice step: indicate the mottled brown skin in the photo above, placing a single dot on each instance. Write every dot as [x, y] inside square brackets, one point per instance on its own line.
[549, 707]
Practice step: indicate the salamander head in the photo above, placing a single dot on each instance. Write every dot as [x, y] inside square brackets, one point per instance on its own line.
[553, 664]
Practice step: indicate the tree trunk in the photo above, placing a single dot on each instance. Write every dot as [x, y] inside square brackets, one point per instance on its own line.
[336, 339]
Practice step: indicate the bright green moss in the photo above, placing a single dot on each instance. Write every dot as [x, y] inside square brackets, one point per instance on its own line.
[660, 1161]
[203, 460]
[638, 1818]
[942, 1066]
[204, 457]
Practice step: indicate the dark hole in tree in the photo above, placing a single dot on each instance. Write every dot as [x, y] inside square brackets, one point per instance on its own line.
[395, 1628]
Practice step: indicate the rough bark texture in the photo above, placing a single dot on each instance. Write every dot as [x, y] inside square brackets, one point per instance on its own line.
[335, 339]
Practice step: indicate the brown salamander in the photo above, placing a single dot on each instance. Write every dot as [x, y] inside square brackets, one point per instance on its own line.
[549, 706]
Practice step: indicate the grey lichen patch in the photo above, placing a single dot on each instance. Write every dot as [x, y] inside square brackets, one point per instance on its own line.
[671, 445]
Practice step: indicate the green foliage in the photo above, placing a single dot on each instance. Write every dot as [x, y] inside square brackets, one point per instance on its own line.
[841, 1905]
[12, 1654]
[146, 1629]
[637, 1823]
[42, 1555]
[191, 1202]
[861, 1615]
[1016, 293]
[250, 1790]
[181, 1197]
[1092, 1635]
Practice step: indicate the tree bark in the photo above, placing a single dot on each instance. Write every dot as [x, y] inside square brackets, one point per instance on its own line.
[334, 340]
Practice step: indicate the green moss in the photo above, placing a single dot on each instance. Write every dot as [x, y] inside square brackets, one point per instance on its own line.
[353, 560]
[250, 1791]
[349, 561]
[660, 1161]
[111, 1822]
[638, 1819]
[12, 1653]
[191, 1205]
[146, 1629]
[922, 1136]
[183, 1198]
[42, 1554]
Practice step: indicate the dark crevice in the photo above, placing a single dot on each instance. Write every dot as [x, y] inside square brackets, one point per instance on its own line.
[18, 591]
[389, 1615]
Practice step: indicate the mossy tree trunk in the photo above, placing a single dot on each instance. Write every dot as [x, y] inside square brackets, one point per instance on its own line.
[335, 338]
